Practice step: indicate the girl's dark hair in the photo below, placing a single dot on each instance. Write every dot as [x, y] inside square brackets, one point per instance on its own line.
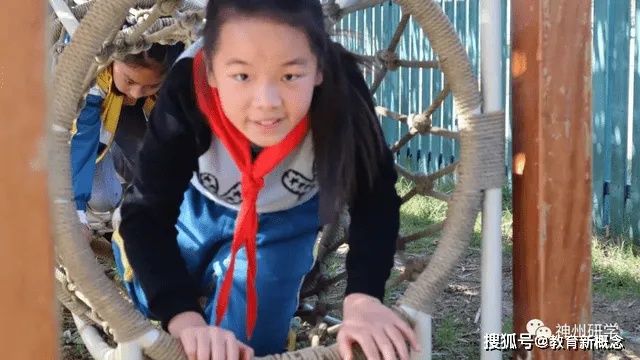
[342, 117]
[158, 56]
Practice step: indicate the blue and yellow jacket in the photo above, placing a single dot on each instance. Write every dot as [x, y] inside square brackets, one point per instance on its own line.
[93, 133]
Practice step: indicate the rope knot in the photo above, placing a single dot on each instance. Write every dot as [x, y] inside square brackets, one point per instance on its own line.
[388, 59]
[188, 21]
[167, 7]
[424, 185]
[59, 48]
[420, 122]
[332, 11]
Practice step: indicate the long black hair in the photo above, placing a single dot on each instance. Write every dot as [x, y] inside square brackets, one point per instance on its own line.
[346, 135]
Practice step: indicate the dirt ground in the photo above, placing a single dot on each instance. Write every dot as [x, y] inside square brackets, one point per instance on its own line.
[461, 302]
[456, 321]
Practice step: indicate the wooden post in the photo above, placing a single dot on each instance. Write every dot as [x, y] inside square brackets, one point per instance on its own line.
[551, 69]
[28, 317]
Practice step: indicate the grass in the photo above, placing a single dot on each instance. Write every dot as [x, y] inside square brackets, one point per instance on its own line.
[615, 265]
[421, 211]
[447, 334]
[616, 268]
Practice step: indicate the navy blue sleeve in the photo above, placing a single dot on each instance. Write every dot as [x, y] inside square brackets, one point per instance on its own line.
[167, 161]
[375, 216]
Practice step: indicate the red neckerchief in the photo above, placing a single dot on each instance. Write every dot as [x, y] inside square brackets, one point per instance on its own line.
[251, 183]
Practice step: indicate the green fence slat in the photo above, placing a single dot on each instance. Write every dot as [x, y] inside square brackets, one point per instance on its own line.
[600, 137]
[633, 202]
[403, 95]
[618, 93]
[460, 13]
[412, 37]
[436, 141]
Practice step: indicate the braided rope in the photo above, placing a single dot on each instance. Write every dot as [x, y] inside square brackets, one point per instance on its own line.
[74, 250]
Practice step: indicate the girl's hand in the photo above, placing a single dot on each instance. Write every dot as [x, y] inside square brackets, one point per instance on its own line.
[203, 342]
[376, 328]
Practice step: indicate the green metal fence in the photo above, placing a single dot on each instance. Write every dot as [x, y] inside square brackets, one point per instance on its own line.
[616, 97]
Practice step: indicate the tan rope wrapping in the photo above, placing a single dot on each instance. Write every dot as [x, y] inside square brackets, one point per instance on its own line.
[71, 303]
[167, 7]
[463, 210]
[163, 30]
[452, 56]
[74, 250]
[461, 216]
[311, 353]
[166, 348]
[79, 12]
[484, 152]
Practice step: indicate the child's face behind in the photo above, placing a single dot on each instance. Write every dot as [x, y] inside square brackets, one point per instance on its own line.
[134, 81]
[265, 73]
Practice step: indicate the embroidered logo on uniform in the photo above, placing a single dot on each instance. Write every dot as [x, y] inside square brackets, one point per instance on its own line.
[297, 183]
[209, 182]
[233, 195]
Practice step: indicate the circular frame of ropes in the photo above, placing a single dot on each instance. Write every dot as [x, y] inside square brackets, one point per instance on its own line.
[93, 298]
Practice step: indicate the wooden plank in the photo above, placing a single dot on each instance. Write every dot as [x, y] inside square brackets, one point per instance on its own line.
[27, 306]
[617, 112]
[552, 130]
[601, 140]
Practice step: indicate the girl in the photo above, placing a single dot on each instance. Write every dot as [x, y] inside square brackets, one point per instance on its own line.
[110, 127]
[263, 131]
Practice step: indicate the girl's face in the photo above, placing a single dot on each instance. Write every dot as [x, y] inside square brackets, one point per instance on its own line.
[136, 82]
[265, 73]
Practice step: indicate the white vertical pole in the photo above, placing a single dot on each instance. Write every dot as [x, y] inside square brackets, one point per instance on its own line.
[491, 274]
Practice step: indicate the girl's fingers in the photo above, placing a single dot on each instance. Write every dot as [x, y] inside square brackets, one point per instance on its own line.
[384, 345]
[233, 351]
[189, 344]
[218, 347]
[408, 333]
[203, 351]
[344, 345]
[368, 345]
[245, 351]
[398, 342]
